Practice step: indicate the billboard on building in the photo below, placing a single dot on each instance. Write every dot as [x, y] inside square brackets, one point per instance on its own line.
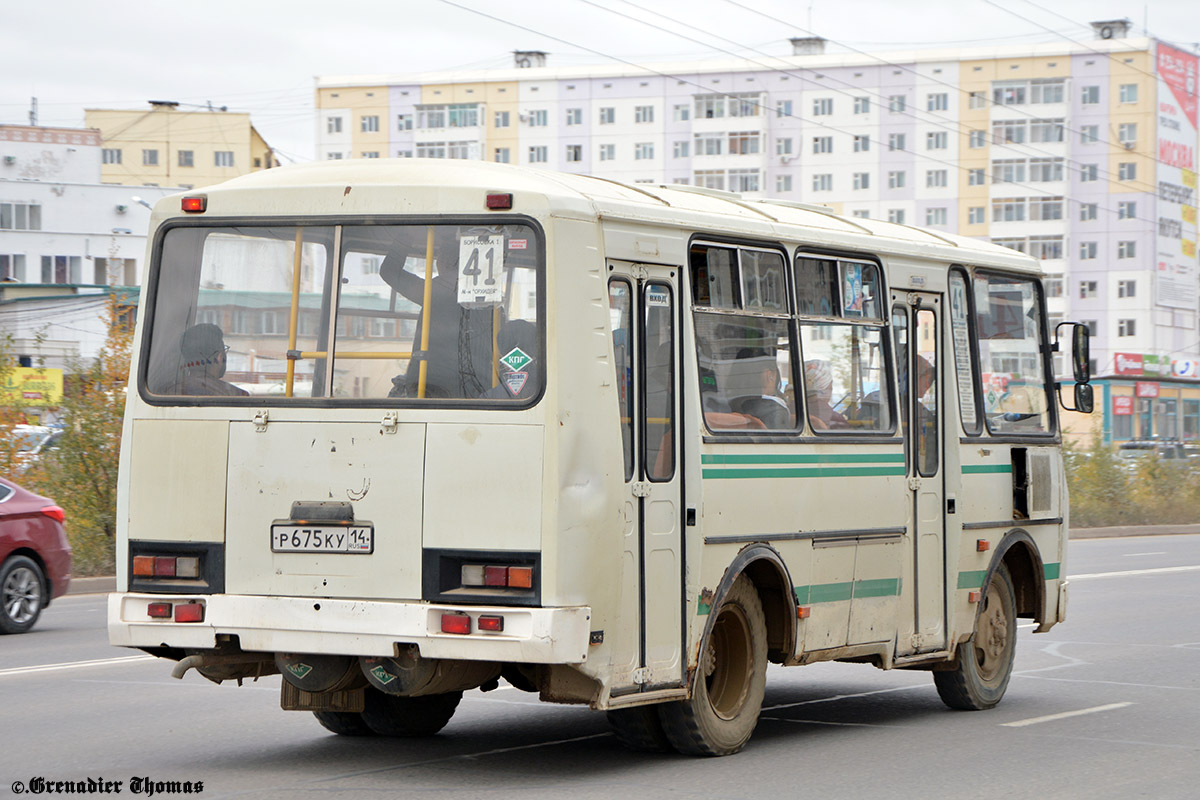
[1176, 273]
[32, 387]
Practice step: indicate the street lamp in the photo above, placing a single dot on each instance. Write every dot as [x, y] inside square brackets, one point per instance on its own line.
[141, 202]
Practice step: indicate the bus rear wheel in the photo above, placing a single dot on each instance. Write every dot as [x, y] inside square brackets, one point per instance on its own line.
[727, 695]
[343, 723]
[388, 715]
[984, 662]
[640, 729]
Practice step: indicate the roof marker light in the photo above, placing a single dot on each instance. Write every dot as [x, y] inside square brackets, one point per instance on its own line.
[194, 204]
[499, 202]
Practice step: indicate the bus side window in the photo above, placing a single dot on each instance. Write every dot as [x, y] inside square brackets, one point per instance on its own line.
[620, 306]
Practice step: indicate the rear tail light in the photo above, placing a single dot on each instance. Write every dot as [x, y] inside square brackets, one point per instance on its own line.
[159, 610]
[491, 622]
[166, 566]
[55, 513]
[496, 576]
[455, 622]
[189, 612]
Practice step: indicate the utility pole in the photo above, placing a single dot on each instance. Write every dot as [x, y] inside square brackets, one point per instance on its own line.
[33, 111]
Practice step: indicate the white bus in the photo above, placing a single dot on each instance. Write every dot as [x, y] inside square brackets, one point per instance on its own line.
[400, 429]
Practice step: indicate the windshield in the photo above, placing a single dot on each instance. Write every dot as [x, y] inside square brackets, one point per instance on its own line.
[1011, 354]
[339, 311]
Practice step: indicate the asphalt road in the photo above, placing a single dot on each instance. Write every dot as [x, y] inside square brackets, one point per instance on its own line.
[1104, 706]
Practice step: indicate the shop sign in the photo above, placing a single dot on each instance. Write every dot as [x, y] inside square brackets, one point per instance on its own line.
[1156, 365]
[1185, 369]
[32, 387]
[1122, 405]
[1129, 363]
[1146, 389]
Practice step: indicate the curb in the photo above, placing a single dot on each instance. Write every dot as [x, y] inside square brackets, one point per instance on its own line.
[107, 584]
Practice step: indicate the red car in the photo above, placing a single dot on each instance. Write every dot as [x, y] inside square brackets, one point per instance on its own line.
[35, 558]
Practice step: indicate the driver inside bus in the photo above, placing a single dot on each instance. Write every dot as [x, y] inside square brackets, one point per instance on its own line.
[204, 354]
[460, 339]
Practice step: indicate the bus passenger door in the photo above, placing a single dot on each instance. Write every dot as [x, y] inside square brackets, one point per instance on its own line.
[645, 310]
[916, 324]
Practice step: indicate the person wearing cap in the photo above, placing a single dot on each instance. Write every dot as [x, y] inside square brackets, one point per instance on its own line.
[818, 387]
[204, 352]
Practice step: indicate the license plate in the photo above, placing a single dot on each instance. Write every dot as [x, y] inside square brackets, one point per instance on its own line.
[322, 539]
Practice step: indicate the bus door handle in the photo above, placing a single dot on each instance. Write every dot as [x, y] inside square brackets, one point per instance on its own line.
[914, 483]
[640, 488]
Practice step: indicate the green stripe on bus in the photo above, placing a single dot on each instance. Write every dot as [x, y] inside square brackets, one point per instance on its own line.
[985, 468]
[1051, 571]
[840, 592]
[974, 578]
[805, 472]
[808, 458]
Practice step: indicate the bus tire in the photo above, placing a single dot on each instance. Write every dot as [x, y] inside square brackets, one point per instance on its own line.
[343, 723]
[984, 662]
[389, 715]
[640, 729]
[727, 694]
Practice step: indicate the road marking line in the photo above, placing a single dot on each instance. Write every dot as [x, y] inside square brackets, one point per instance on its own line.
[837, 697]
[1156, 571]
[1132, 555]
[828, 722]
[1064, 715]
[99, 662]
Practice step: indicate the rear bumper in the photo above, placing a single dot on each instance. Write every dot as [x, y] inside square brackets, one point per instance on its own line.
[352, 627]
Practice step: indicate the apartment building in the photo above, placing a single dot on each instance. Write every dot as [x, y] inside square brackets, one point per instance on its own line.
[166, 146]
[1081, 154]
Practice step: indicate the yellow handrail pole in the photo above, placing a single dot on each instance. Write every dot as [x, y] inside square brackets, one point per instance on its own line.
[423, 369]
[292, 321]
[495, 346]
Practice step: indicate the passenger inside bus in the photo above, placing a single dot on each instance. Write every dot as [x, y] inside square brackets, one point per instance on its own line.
[204, 358]
[460, 339]
[770, 407]
[818, 387]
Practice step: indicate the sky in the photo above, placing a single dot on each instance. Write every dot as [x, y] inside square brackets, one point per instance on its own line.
[262, 56]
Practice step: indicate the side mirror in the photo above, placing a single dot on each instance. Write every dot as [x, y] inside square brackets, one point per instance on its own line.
[1080, 352]
[1084, 400]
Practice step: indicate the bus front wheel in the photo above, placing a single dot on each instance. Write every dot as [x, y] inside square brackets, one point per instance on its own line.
[730, 678]
[984, 663]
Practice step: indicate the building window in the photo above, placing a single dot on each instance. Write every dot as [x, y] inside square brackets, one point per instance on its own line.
[1009, 94]
[1009, 131]
[936, 141]
[1087, 212]
[20, 216]
[783, 108]
[895, 141]
[860, 213]
[370, 154]
[935, 216]
[370, 123]
[823, 144]
[1042, 209]
[186, 158]
[1127, 134]
[1046, 130]
[743, 144]
[935, 178]
[608, 152]
[501, 119]
[501, 155]
[976, 177]
[1090, 95]
[710, 178]
[333, 124]
[1087, 251]
[862, 144]
[822, 182]
[1046, 247]
[1126, 327]
[896, 104]
[1127, 171]
[1088, 172]
[643, 151]
[574, 116]
[977, 100]
[709, 144]
[1044, 170]
[1127, 288]
[743, 180]
[783, 147]
[539, 118]
[976, 215]
[404, 122]
[1008, 170]
[1129, 92]
[862, 105]
[896, 215]
[823, 107]
[1010, 209]
[1089, 134]
[400, 154]
[111, 155]
[1126, 209]
[1126, 249]
[896, 179]
[681, 113]
[643, 114]
[608, 115]
[431, 150]
[223, 158]
[710, 106]
[150, 158]
[538, 154]
[1053, 285]
[574, 152]
[977, 139]
[862, 180]
[1088, 290]
[680, 150]
[333, 156]
[783, 183]
[937, 102]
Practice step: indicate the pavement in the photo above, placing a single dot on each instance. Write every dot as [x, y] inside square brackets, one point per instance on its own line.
[106, 584]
